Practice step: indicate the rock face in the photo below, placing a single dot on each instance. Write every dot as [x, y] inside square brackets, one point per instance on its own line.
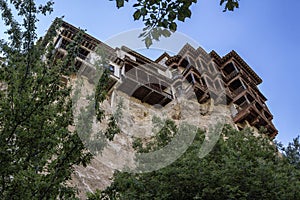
[94, 176]
[137, 122]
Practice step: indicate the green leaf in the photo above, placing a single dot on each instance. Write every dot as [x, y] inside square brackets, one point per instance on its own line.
[172, 16]
[166, 33]
[188, 13]
[230, 4]
[120, 3]
[143, 11]
[155, 33]
[148, 41]
[137, 15]
[173, 26]
[165, 23]
[181, 16]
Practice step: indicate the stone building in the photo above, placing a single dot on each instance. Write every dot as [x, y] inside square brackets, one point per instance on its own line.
[158, 82]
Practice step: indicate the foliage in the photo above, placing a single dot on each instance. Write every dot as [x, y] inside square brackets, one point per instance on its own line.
[102, 67]
[100, 94]
[292, 152]
[241, 166]
[113, 127]
[165, 131]
[160, 16]
[37, 148]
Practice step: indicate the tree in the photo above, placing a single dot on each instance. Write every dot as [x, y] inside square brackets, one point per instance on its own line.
[292, 152]
[241, 166]
[160, 16]
[37, 147]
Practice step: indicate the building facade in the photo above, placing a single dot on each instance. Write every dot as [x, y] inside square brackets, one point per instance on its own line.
[224, 80]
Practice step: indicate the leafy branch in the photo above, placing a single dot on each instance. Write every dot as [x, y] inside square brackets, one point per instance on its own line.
[160, 17]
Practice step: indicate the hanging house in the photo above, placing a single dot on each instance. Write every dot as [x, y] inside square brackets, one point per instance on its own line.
[228, 80]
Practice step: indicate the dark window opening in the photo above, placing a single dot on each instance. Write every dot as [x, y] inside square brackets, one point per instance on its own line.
[78, 64]
[189, 78]
[88, 45]
[154, 86]
[236, 84]
[130, 71]
[250, 98]
[203, 81]
[56, 42]
[82, 53]
[68, 34]
[229, 68]
[241, 102]
[64, 44]
[111, 69]
[258, 106]
[163, 86]
[197, 79]
[128, 67]
[184, 63]
[240, 128]
[267, 115]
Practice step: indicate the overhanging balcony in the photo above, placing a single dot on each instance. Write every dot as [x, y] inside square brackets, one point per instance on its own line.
[139, 86]
[254, 116]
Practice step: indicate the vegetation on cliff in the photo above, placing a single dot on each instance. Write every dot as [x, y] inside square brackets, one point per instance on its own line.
[37, 147]
[240, 166]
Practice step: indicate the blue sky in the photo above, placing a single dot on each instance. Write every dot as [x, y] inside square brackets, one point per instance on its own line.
[266, 34]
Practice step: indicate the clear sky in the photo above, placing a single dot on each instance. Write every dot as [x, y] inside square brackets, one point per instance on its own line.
[266, 34]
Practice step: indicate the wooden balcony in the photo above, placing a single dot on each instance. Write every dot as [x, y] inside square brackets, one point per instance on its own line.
[229, 77]
[152, 96]
[254, 116]
[144, 91]
[201, 97]
[238, 91]
[197, 90]
[260, 105]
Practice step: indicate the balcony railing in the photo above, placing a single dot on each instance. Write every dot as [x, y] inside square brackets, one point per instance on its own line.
[158, 89]
[239, 90]
[131, 74]
[244, 109]
[133, 77]
[245, 105]
[82, 56]
[231, 76]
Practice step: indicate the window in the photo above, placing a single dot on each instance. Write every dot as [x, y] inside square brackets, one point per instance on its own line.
[111, 68]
